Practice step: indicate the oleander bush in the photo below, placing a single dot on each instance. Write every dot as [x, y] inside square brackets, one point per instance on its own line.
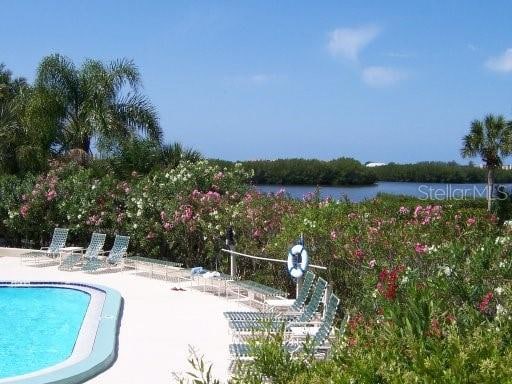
[427, 284]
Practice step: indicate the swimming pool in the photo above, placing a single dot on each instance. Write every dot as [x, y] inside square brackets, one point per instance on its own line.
[39, 326]
[55, 332]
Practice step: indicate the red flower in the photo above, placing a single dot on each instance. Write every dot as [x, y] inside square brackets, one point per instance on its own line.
[388, 282]
[359, 253]
[484, 304]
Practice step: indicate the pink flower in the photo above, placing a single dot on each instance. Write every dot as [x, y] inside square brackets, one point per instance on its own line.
[24, 210]
[256, 233]
[403, 211]
[333, 235]
[372, 263]
[50, 195]
[187, 214]
[196, 194]
[167, 226]
[471, 221]
[212, 195]
[420, 248]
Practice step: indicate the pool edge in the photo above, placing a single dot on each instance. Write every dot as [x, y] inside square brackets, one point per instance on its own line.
[105, 347]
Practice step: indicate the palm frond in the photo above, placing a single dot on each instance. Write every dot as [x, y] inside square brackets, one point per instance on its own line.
[134, 113]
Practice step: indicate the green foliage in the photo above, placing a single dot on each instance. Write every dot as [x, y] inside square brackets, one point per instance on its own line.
[428, 286]
[428, 283]
[436, 172]
[343, 171]
[201, 374]
[96, 101]
[491, 139]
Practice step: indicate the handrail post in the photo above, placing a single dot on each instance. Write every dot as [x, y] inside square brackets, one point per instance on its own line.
[230, 243]
[300, 280]
[298, 285]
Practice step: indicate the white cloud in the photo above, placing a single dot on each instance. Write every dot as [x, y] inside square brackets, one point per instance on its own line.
[382, 76]
[472, 47]
[348, 42]
[260, 78]
[501, 63]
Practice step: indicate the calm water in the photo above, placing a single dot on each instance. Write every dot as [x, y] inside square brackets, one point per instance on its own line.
[360, 193]
[38, 327]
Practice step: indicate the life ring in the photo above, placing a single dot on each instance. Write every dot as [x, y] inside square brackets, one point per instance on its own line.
[297, 261]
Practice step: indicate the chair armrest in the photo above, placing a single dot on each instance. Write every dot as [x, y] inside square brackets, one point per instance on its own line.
[303, 324]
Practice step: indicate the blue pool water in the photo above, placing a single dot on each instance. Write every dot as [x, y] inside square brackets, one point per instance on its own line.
[38, 327]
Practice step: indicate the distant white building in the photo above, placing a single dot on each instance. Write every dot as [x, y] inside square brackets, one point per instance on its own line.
[507, 167]
[372, 165]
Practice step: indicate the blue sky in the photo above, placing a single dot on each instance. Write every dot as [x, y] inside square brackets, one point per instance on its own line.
[378, 81]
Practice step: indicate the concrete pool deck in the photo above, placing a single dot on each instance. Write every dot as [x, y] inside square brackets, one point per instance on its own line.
[158, 324]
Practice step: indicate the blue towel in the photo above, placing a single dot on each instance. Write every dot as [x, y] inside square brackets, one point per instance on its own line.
[197, 271]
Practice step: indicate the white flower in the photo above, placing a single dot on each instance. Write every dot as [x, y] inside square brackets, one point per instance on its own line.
[139, 212]
[432, 249]
[500, 310]
[79, 217]
[446, 270]
[507, 223]
[502, 264]
[135, 226]
[498, 290]
[405, 279]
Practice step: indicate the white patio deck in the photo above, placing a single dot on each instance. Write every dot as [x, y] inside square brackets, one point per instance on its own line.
[158, 324]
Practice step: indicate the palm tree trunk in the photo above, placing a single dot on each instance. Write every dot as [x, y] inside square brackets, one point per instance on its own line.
[490, 183]
[86, 145]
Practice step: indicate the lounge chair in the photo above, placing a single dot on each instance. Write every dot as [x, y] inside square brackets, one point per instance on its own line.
[95, 247]
[115, 256]
[272, 322]
[58, 242]
[318, 335]
[292, 306]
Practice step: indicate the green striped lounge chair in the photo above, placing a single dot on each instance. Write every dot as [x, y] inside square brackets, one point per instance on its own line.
[294, 306]
[115, 256]
[273, 323]
[318, 337]
[93, 250]
[58, 242]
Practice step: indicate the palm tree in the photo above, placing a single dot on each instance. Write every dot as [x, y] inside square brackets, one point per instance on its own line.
[491, 139]
[94, 102]
[21, 149]
[174, 153]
